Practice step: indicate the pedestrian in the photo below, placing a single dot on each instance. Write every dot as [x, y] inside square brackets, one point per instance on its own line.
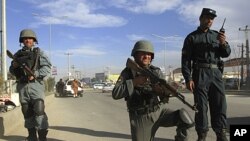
[74, 87]
[146, 107]
[31, 90]
[202, 69]
[59, 87]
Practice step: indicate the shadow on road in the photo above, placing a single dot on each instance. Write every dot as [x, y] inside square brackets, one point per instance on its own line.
[12, 137]
[97, 133]
[240, 93]
[239, 120]
[22, 138]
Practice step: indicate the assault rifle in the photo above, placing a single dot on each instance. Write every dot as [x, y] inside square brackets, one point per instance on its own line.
[155, 79]
[23, 65]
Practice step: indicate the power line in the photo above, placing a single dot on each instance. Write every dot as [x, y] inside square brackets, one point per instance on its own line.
[247, 55]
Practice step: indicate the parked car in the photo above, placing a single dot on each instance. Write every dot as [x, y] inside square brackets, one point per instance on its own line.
[108, 88]
[68, 91]
[98, 86]
[231, 83]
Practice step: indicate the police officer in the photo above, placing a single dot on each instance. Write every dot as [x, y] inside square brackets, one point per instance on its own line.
[31, 90]
[59, 87]
[202, 69]
[147, 111]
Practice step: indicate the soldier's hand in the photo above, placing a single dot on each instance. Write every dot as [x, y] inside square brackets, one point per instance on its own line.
[140, 80]
[31, 78]
[158, 89]
[190, 85]
[222, 38]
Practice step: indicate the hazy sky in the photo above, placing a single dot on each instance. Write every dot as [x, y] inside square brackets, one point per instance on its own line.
[101, 33]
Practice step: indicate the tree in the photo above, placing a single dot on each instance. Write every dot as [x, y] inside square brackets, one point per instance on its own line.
[50, 84]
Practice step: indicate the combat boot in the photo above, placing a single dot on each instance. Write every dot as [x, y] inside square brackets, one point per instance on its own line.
[32, 135]
[42, 133]
[202, 136]
[221, 136]
[182, 135]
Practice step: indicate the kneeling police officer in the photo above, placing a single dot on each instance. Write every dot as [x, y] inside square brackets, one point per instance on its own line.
[147, 109]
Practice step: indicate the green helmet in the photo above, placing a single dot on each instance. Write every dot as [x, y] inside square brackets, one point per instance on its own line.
[27, 33]
[144, 46]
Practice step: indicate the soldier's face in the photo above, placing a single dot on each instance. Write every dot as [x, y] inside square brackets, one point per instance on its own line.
[206, 21]
[28, 42]
[143, 58]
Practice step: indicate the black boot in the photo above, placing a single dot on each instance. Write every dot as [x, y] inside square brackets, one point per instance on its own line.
[32, 135]
[182, 135]
[202, 136]
[42, 134]
[221, 136]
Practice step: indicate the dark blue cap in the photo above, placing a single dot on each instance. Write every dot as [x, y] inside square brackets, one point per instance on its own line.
[208, 11]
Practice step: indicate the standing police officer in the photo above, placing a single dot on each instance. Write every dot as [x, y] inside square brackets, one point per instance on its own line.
[60, 86]
[147, 111]
[31, 90]
[202, 70]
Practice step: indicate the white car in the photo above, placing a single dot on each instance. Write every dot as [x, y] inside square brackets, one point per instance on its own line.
[68, 91]
[98, 86]
[108, 88]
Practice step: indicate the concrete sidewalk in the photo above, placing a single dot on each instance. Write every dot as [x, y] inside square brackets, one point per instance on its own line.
[13, 119]
[10, 120]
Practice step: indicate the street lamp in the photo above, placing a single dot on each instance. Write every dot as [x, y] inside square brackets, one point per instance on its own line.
[50, 23]
[38, 15]
[165, 46]
[68, 54]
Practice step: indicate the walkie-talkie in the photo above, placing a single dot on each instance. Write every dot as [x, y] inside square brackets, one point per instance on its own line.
[222, 27]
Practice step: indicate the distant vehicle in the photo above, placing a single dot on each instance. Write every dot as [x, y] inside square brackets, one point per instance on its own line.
[98, 86]
[68, 91]
[231, 83]
[108, 88]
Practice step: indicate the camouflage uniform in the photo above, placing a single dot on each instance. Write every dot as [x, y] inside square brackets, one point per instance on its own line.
[31, 92]
[147, 111]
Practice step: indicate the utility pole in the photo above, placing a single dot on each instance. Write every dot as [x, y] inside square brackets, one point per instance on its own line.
[242, 63]
[247, 55]
[3, 41]
[68, 54]
[165, 47]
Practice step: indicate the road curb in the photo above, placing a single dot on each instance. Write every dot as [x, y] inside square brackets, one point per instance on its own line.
[10, 120]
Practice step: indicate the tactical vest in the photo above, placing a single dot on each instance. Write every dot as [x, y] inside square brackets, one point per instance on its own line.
[29, 58]
[143, 96]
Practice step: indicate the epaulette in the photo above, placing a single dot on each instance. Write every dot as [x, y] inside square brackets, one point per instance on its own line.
[36, 49]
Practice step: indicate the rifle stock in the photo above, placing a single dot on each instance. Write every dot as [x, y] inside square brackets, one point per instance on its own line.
[155, 79]
[24, 66]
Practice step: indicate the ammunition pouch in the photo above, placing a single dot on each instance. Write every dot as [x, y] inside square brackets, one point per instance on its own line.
[28, 57]
[19, 72]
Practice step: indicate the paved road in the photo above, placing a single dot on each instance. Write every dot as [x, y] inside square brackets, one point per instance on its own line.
[97, 117]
